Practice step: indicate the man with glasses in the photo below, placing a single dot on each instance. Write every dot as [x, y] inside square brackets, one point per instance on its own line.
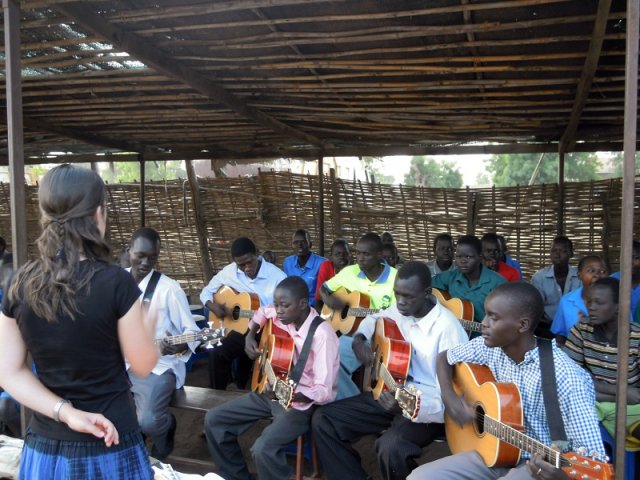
[471, 280]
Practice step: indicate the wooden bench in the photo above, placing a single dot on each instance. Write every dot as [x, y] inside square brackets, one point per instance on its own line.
[198, 399]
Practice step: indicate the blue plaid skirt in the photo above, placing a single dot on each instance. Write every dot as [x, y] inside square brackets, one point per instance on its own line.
[47, 459]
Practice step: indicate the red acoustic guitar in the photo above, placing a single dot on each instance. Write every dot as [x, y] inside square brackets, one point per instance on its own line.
[241, 306]
[462, 309]
[392, 356]
[346, 321]
[273, 364]
[496, 434]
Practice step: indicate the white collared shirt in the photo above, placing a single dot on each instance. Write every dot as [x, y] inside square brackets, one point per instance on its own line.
[437, 331]
[174, 318]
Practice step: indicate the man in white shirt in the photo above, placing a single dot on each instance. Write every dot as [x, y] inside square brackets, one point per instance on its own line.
[152, 394]
[248, 273]
[430, 328]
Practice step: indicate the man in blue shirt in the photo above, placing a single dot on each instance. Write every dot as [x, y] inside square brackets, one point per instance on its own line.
[304, 263]
[247, 273]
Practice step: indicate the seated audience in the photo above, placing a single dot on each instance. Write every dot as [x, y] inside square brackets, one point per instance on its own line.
[556, 279]
[593, 344]
[492, 258]
[387, 239]
[470, 280]
[340, 257]
[269, 256]
[571, 306]
[512, 262]
[304, 263]
[390, 254]
[443, 252]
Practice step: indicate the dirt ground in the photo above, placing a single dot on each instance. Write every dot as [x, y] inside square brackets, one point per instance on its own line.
[191, 443]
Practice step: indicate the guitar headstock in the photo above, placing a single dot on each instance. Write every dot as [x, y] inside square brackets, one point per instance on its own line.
[409, 400]
[210, 336]
[587, 468]
[284, 391]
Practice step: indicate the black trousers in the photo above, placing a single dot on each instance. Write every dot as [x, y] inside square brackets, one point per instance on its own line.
[221, 359]
[336, 424]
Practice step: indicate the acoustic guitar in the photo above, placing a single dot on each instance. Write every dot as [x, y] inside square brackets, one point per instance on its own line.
[346, 321]
[273, 364]
[241, 306]
[462, 309]
[497, 431]
[208, 336]
[392, 356]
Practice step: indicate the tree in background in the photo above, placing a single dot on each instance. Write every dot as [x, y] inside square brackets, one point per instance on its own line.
[126, 172]
[616, 160]
[374, 166]
[516, 169]
[427, 172]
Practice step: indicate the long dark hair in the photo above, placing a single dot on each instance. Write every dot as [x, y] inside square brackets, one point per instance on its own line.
[69, 197]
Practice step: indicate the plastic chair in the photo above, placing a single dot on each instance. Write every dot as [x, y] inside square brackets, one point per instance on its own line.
[629, 457]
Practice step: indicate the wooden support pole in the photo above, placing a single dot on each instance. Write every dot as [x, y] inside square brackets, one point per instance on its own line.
[201, 224]
[560, 229]
[15, 140]
[321, 203]
[626, 230]
[142, 194]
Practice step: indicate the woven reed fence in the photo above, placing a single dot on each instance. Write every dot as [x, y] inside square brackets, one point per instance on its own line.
[270, 206]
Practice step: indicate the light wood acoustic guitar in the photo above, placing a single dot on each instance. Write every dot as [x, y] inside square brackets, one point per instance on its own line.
[346, 321]
[462, 309]
[273, 364]
[497, 431]
[392, 357]
[241, 305]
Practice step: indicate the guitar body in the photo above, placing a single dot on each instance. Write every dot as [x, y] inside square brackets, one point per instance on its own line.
[341, 320]
[276, 347]
[240, 304]
[501, 401]
[462, 309]
[390, 349]
[498, 434]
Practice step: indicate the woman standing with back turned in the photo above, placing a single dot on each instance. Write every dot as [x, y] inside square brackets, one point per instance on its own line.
[78, 316]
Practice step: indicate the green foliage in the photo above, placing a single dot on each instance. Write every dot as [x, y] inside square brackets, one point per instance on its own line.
[374, 167]
[427, 172]
[517, 169]
[617, 161]
[127, 172]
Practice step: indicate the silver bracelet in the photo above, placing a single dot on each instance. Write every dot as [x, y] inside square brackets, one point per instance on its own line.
[57, 407]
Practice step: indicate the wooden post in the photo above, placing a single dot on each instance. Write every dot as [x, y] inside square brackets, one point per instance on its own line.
[335, 203]
[321, 202]
[142, 195]
[15, 132]
[626, 230]
[560, 228]
[201, 224]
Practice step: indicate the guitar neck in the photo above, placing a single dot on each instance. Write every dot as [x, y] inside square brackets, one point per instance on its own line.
[246, 313]
[178, 339]
[271, 375]
[388, 380]
[471, 326]
[519, 440]
[361, 312]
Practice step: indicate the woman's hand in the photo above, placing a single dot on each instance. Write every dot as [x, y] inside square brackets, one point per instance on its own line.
[95, 424]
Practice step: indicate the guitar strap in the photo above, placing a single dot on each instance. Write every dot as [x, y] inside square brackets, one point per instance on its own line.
[550, 394]
[296, 372]
[151, 286]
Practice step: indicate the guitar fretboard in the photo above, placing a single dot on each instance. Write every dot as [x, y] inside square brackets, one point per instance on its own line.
[243, 313]
[518, 439]
[361, 312]
[388, 380]
[471, 326]
[191, 337]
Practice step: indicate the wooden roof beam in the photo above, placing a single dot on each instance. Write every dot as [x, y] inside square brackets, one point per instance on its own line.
[568, 139]
[151, 55]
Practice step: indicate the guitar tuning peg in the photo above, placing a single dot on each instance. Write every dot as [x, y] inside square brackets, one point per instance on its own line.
[582, 451]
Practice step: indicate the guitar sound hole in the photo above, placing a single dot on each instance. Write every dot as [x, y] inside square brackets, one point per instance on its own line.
[345, 312]
[235, 313]
[478, 422]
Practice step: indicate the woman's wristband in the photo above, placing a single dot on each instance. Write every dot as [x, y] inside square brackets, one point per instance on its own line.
[57, 407]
